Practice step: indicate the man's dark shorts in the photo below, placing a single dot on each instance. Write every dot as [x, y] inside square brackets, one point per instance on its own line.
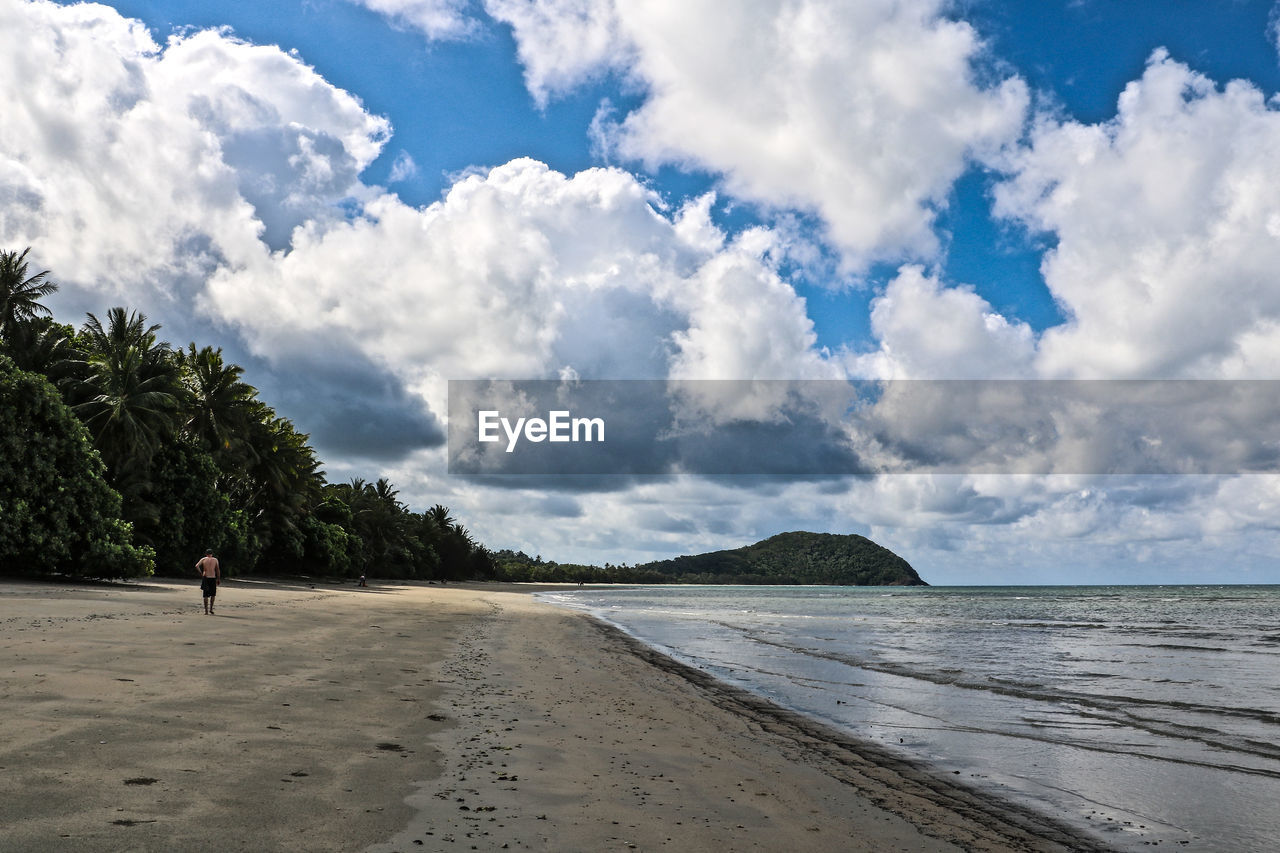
[209, 586]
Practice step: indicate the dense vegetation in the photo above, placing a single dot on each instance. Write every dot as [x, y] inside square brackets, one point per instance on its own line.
[788, 558]
[121, 455]
[56, 508]
[519, 567]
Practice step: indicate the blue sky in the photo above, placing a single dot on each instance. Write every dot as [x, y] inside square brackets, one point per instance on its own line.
[361, 199]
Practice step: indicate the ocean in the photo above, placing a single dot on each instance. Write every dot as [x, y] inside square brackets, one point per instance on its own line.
[1136, 714]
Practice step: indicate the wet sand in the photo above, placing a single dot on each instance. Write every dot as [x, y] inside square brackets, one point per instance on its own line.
[400, 718]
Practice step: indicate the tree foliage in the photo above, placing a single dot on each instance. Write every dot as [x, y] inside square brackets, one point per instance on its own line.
[21, 291]
[219, 406]
[57, 513]
[127, 393]
[190, 513]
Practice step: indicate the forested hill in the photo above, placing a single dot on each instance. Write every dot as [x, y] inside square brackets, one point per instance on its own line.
[795, 558]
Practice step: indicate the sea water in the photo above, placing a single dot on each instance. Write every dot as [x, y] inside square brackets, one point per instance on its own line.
[1138, 715]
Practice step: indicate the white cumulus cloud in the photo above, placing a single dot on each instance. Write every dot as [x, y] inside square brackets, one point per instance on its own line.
[526, 272]
[561, 43]
[437, 19]
[1167, 228]
[861, 113]
[136, 169]
[927, 330]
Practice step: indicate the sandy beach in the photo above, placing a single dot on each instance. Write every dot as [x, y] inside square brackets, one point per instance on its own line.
[399, 718]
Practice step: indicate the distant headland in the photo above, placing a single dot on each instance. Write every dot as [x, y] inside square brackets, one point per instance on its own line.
[797, 557]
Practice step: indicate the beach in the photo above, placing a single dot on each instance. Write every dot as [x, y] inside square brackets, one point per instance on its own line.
[418, 717]
[1139, 715]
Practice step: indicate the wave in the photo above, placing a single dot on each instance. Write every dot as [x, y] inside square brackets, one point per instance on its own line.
[1138, 712]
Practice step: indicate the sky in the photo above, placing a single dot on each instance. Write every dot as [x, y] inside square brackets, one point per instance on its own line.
[361, 200]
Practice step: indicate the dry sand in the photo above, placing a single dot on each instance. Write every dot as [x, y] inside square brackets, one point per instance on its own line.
[404, 718]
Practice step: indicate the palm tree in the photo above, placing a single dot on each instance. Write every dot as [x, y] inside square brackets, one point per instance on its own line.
[130, 391]
[382, 491]
[464, 538]
[439, 515]
[42, 346]
[20, 294]
[383, 526]
[282, 478]
[217, 411]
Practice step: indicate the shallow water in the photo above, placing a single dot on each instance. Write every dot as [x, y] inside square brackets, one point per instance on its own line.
[1136, 714]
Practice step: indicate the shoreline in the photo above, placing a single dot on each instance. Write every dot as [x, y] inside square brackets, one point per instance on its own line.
[414, 716]
[891, 781]
[869, 798]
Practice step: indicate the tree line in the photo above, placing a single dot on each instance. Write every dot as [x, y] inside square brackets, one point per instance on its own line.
[519, 567]
[121, 455]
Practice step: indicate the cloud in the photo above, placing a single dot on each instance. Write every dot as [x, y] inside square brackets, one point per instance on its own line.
[350, 407]
[1273, 26]
[136, 170]
[1072, 529]
[403, 168]
[442, 20]
[1167, 227]
[767, 335]
[863, 114]
[562, 43]
[927, 330]
[521, 272]
[953, 529]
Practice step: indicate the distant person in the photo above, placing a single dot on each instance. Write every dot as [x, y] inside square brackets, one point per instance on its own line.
[362, 583]
[210, 576]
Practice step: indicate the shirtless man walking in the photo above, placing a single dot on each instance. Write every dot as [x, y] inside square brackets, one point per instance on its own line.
[210, 575]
